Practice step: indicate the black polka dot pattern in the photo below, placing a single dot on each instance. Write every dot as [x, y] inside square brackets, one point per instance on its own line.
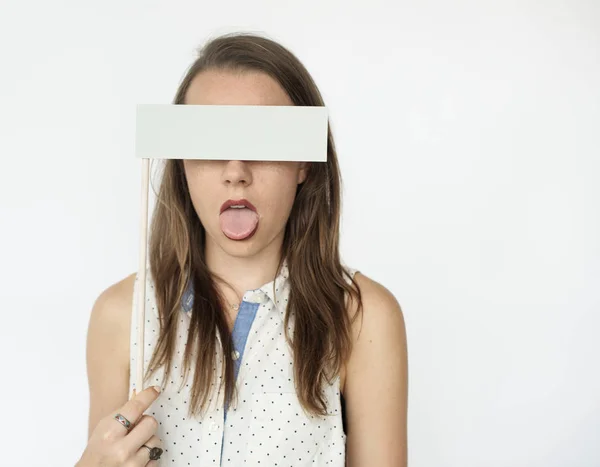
[268, 426]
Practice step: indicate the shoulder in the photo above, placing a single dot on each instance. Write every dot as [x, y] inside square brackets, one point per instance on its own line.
[380, 308]
[379, 328]
[111, 313]
[115, 299]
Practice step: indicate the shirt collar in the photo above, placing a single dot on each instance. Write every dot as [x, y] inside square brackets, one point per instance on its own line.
[276, 291]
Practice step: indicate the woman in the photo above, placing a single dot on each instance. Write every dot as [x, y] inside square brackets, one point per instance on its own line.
[268, 350]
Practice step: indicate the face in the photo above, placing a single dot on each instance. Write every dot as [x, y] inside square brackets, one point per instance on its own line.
[270, 186]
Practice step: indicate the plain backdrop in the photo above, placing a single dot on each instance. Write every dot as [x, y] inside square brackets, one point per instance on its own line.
[469, 142]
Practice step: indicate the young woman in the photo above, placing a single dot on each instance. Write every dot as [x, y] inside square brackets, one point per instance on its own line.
[268, 350]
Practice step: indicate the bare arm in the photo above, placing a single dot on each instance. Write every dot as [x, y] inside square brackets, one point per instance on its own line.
[376, 383]
[107, 352]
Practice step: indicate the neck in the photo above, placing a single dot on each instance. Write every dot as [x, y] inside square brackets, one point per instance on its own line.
[243, 272]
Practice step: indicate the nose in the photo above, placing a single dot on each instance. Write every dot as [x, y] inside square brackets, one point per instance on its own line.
[237, 172]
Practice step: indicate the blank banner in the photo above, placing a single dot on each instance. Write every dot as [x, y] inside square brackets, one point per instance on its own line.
[231, 132]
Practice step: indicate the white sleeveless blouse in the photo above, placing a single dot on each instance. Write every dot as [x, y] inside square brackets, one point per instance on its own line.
[268, 426]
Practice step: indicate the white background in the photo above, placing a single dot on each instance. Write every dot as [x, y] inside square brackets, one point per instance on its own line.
[469, 140]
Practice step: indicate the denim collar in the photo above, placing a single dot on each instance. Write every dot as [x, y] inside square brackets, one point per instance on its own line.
[275, 290]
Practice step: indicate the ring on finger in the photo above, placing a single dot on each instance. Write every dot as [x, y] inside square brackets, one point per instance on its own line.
[123, 421]
[154, 453]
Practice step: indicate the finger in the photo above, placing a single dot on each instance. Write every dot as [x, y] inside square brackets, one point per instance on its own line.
[142, 432]
[133, 409]
[143, 454]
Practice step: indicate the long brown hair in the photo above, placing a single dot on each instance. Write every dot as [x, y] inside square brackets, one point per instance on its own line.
[321, 340]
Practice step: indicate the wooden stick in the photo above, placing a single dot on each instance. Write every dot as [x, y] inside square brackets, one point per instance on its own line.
[141, 298]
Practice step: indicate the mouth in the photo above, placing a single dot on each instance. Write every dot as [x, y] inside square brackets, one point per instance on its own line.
[238, 219]
[237, 204]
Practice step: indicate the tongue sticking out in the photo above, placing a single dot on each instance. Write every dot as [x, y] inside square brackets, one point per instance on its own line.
[238, 223]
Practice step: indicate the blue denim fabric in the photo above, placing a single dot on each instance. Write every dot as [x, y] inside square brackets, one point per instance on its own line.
[241, 328]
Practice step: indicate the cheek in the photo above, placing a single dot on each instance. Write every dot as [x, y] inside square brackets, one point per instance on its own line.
[280, 200]
[201, 188]
[200, 204]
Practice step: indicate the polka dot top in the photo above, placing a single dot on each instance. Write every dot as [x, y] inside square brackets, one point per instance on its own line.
[268, 426]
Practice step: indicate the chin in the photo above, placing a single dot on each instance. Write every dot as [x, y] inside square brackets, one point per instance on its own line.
[246, 247]
[241, 248]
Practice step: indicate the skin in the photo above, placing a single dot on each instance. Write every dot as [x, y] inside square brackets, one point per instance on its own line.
[374, 380]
